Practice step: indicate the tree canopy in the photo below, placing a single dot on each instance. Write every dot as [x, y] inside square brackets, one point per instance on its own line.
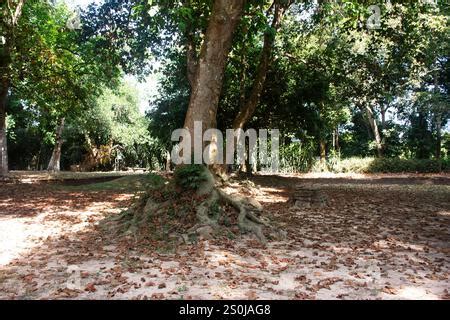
[339, 79]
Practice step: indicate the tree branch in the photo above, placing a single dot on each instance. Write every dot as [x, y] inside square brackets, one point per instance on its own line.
[248, 108]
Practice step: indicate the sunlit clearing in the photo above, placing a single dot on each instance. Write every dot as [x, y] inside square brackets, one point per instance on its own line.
[414, 293]
[19, 236]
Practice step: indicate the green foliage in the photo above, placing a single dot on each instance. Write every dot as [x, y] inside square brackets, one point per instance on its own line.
[297, 157]
[116, 116]
[169, 108]
[134, 183]
[327, 70]
[389, 165]
[51, 75]
[408, 165]
[50, 68]
[29, 137]
[190, 177]
[350, 165]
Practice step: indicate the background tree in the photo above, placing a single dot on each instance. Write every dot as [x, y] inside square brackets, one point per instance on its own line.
[11, 12]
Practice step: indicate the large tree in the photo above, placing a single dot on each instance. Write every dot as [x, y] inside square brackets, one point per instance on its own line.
[11, 12]
[208, 81]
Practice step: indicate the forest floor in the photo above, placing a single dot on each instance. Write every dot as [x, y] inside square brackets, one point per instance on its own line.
[380, 237]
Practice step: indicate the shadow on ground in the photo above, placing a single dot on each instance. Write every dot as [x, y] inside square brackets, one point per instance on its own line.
[377, 239]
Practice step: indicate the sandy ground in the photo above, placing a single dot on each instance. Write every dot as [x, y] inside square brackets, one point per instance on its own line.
[380, 237]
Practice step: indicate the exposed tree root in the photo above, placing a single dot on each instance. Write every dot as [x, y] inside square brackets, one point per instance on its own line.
[247, 221]
[190, 215]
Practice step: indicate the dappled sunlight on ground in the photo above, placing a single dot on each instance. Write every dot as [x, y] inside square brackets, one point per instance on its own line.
[27, 222]
[383, 240]
[412, 293]
[445, 213]
[30, 177]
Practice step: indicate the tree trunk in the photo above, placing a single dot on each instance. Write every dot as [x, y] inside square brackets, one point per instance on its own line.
[438, 120]
[337, 142]
[383, 117]
[208, 81]
[3, 138]
[55, 162]
[243, 75]
[5, 61]
[191, 52]
[203, 105]
[168, 162]
[438, 136]
[248, 108]
[375, 130]
[323, 151]
[251, 165]
[10, 19]
[91, 160]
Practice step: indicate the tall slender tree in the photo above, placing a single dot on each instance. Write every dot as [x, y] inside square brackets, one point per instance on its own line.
[10, 12]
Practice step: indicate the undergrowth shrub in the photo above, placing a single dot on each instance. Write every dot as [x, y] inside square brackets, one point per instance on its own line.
[389, 165]
[351, 165]
[297, 157]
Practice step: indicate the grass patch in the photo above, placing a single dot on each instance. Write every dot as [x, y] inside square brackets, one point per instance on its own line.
[388, 165]
[133, 183]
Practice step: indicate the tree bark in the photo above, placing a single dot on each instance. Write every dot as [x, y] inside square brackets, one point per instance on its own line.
[55, 162]
[438, 121]
[214, 52]
[5, 61]
[337, 141]
[438, 136]
[191, 60]
[383, 117]
[168, 162]
[323, 151]
[375, 130]
[17, 12]
[191, 52]
[248, 108]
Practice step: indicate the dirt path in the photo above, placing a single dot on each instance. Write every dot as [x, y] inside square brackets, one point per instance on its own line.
[374, 241]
